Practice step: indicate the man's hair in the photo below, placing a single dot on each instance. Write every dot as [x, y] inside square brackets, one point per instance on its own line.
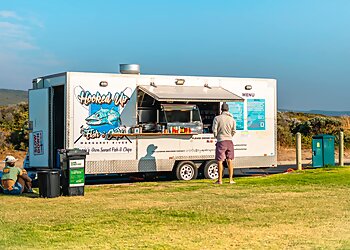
[224, 107]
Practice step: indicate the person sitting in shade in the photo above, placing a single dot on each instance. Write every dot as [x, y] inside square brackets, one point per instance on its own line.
[14, 181]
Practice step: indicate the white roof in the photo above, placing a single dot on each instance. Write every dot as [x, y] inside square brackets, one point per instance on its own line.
[190, 93]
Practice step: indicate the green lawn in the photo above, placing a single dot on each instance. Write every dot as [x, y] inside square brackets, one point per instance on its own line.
[308, 209]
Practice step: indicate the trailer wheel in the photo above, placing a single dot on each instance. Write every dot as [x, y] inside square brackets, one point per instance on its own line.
[186, 170]
[210, 170]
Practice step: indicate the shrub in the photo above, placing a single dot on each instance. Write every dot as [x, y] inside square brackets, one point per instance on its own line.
[284, 136]
[308, 125]
[13, 126]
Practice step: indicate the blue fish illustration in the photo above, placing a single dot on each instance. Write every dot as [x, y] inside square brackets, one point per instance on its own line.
[103, 116]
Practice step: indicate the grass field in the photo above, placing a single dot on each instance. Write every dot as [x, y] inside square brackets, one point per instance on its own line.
[308, 209]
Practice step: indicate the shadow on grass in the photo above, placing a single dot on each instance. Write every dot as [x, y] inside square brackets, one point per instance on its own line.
[26, 195]
[30, 195]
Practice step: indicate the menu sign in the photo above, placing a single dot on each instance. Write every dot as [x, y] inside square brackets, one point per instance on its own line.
[256, 114]
[237, 111]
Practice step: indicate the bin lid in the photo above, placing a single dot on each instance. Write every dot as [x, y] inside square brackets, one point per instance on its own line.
[48, 171]
[323, 136]
[74, 152]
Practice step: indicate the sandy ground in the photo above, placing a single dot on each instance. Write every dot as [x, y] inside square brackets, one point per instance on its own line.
[289, 154]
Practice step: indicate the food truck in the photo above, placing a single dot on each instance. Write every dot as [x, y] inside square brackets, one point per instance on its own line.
[133, 123]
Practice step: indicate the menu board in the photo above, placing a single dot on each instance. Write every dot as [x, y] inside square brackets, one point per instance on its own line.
[256, 114]
[237, 111]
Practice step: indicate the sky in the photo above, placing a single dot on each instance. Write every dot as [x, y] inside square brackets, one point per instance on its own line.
[304, 44]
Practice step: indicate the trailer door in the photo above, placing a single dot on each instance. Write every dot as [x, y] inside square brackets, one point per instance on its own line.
[39, 125]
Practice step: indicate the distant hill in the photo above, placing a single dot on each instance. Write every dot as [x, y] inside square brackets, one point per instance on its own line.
[329, 113]
[10, 96]
[320, 112]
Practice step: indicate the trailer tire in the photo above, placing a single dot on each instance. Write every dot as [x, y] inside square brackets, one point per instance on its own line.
[186, 170]
[210, 170]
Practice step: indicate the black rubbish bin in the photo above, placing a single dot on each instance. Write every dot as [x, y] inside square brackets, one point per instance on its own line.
[49, 183]
[72, 163]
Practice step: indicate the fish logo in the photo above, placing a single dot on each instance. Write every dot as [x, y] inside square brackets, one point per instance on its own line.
[103, 116]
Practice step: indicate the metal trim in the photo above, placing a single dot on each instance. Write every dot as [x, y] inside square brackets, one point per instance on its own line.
[67, 111]
[50, 146]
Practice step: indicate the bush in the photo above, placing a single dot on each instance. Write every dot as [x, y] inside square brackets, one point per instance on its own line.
[284, 136]
[308, 125]
[13, 126]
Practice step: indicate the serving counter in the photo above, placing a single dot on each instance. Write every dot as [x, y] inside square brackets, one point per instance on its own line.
[151, 134]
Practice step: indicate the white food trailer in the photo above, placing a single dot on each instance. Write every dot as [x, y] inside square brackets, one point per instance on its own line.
[134, 123]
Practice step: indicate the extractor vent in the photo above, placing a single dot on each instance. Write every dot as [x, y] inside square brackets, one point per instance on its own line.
[129, 68]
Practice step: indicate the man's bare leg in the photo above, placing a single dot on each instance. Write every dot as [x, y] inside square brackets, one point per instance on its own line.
[230, 169]
[26, 182]
[220, 171]
[21, 181]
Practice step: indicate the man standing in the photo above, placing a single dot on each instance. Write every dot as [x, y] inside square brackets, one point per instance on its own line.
[224, 127]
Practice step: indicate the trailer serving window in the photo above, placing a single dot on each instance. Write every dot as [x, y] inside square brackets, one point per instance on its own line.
[180, 113]
[182, 116]
[186, 106]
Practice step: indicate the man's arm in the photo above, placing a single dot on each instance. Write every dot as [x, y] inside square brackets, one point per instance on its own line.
[233, 128]
[215, 127]
[19, 171]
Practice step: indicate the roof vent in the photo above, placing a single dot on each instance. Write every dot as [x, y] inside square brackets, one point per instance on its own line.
[129, 68]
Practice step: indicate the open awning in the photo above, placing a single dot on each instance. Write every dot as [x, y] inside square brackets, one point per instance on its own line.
[190, 93]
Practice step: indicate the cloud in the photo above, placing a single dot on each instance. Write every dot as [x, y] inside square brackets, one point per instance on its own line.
[9, 14]
[15, 34]
[10, 30]
[21, 55]
[22, 45]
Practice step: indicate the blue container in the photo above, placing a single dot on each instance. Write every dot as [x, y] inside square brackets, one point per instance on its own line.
[323, 150]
